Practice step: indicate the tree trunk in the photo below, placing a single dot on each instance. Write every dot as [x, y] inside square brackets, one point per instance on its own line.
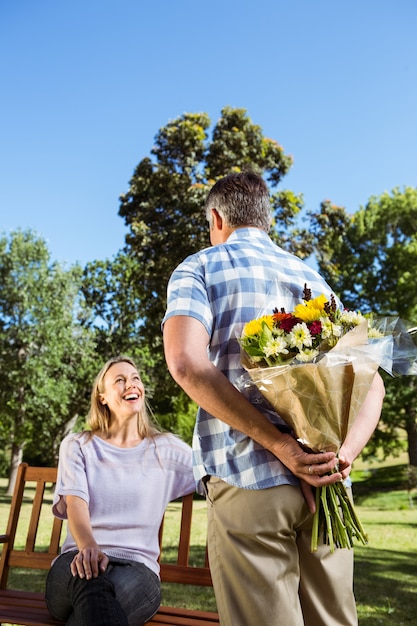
[411, 428]
[17, 456]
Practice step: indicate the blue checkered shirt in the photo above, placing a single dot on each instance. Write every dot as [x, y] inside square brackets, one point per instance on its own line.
[224, 287]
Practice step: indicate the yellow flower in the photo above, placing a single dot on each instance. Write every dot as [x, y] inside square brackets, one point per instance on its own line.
[254, 327]
[311, 309]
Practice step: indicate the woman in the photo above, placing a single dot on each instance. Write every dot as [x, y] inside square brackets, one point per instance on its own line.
[114, 483]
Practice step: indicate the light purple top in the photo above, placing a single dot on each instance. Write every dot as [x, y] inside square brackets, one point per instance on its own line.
[126, 489]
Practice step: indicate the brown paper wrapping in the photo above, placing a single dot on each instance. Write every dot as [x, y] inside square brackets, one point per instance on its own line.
[320, 401]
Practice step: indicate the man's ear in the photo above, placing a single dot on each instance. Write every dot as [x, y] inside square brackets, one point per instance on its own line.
[217, 219]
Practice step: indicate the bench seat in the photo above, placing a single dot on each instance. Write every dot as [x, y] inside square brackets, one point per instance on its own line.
[25, 607]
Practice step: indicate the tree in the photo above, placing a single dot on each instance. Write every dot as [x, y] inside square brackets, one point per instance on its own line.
[45, 354]
[163, 210]
[111, 290]
[370, 258]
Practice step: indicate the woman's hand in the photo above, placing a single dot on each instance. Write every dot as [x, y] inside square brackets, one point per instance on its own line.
[89, 562]
[345, 462]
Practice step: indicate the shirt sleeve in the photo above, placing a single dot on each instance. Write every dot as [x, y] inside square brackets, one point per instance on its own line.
[187, 294]
[178, 460]
[72, 478]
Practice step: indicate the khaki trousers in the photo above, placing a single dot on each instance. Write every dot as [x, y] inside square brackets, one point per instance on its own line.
[264, 573]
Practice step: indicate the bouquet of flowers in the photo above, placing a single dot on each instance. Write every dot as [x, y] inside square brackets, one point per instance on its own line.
[315, 366]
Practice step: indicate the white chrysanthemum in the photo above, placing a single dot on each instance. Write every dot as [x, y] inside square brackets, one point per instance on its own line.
[337, 330]
[307, 355]
[351, 318]
[278, 332]
[300, 336]
[330, 330]
[276, 346]
[326, 327]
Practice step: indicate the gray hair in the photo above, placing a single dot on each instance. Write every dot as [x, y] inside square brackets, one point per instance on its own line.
[242, 199]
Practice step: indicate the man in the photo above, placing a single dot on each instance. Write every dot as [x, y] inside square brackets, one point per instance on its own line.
[258, 479]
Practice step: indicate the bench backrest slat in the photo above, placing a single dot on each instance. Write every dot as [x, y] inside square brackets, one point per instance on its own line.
[35, 516]
[55, 536]
[185, 532]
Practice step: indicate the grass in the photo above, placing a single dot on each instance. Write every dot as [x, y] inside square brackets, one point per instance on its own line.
[385, 570]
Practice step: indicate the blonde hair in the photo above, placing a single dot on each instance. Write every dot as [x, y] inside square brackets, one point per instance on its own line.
[99, 414]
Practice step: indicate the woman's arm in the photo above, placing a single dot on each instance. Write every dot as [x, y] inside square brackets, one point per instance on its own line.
[90, 560]
[363, 426]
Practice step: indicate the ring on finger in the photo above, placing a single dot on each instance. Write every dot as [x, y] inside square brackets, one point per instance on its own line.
[309, 469]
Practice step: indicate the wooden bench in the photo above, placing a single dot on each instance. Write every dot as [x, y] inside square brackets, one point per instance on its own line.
[29, 608]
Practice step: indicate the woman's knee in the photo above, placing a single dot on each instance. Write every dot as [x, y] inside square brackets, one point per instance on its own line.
[138, 590]
[57, 583]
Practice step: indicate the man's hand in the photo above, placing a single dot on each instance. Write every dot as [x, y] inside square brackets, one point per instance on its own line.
[313, 468]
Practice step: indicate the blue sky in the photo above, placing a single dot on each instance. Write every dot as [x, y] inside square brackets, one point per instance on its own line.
[87, 84]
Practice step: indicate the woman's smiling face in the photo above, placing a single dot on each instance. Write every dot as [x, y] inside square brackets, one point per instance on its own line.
[123, 393]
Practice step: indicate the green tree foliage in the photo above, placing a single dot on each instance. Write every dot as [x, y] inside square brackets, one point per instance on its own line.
[112, 293]
[369, 258]
[164, 211]
[45, 353]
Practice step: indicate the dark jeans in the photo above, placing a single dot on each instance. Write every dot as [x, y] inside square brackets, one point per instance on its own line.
[127, 594]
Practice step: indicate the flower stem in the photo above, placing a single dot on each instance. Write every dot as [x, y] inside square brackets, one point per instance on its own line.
[336, 519]
[315, 528]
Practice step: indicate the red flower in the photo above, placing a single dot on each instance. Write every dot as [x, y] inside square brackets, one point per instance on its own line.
[315, 327]
[288, 323]
[279, 316]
